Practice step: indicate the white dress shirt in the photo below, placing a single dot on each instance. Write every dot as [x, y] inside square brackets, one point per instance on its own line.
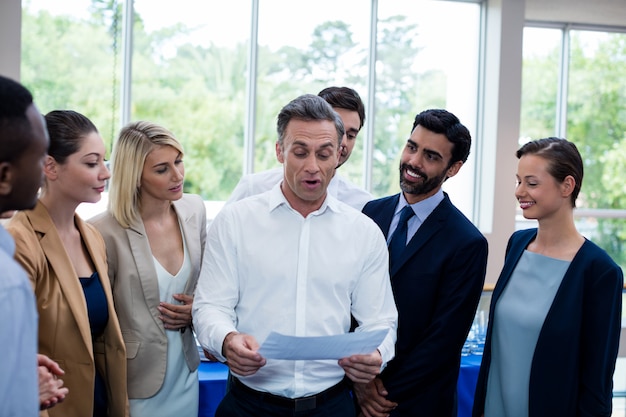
[260, 182]
[266, 268]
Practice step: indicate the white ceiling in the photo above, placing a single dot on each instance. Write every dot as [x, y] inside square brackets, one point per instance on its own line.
[595, 12]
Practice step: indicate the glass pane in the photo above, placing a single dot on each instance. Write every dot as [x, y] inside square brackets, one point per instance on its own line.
[421, 65]
[609, 234]
[70, 59]
[298, 56]
[596, 122]
[540, 82]
[189, 75]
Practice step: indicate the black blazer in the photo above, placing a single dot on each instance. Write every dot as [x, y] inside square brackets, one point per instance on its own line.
[437, 286]
[572, 367]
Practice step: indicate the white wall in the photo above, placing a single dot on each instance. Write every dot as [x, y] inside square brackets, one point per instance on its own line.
[593, 12]
[10, 37]
[500, 126]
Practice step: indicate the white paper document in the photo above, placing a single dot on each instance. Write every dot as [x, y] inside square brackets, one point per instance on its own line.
[279, 346]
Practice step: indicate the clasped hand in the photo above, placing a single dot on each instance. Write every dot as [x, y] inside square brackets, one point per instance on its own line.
[51, 389]
[176, 316]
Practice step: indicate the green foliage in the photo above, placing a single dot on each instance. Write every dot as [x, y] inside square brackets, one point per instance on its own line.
[331, 41]
[539, 93]
[613, 163]
[611, 232]
[396, 99]
[596, 122]
[611, 236]
[596, 114]
[199, 95]
[65, 72]
[198, 92]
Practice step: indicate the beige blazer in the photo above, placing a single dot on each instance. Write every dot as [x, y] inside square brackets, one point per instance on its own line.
[64, 331]
[136, 293]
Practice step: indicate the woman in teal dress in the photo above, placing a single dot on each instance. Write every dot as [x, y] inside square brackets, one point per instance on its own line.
[555, 316]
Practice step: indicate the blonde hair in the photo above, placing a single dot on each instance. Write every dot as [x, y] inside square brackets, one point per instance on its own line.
[135, 141]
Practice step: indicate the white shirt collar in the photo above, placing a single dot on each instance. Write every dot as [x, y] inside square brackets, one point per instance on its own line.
[277, 198]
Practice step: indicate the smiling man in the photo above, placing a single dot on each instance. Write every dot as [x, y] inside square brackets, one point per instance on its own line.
[297, 261]
[438, 260]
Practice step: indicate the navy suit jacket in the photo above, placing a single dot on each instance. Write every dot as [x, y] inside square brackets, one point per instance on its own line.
[572, 367]
[437, 286]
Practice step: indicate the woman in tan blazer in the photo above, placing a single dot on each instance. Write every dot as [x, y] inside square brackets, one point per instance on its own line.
[154, 238]
[65, 259]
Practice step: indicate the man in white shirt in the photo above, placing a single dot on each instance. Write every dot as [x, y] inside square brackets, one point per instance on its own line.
[297, 261]
[27, 381]
[348, 104]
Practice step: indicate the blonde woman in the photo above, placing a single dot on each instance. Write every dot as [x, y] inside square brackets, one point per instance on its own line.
[65, 259]
[154, 236]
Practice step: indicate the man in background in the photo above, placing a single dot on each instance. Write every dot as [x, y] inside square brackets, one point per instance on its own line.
[28, 381]
[348, 104]
[438, 260]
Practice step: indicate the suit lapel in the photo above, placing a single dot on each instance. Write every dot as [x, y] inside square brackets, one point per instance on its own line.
[63, 269]
[189, 225]
[142, 256]
[98, 257]
[382, 212]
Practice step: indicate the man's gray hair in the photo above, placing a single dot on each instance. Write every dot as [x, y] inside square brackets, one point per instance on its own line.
[308, 107]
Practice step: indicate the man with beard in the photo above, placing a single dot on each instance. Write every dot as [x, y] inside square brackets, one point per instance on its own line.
[438, 260]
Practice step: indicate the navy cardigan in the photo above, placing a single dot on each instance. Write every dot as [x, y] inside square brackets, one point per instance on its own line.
[572, 367]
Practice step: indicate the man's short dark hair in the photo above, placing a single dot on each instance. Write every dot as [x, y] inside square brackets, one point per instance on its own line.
[445, 123]
[344, 98]
[15, 127]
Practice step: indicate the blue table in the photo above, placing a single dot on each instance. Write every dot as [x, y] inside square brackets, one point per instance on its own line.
[466, 385]
[213, 375]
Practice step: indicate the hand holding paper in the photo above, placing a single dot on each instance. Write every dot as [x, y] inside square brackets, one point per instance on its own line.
[240, 352]
[362, 368]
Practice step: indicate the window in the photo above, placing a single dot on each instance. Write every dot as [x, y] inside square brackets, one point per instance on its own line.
[217, 76]
[64, 70]
[420, 65]
[189, 75]
[573, 87]
[304, 55]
